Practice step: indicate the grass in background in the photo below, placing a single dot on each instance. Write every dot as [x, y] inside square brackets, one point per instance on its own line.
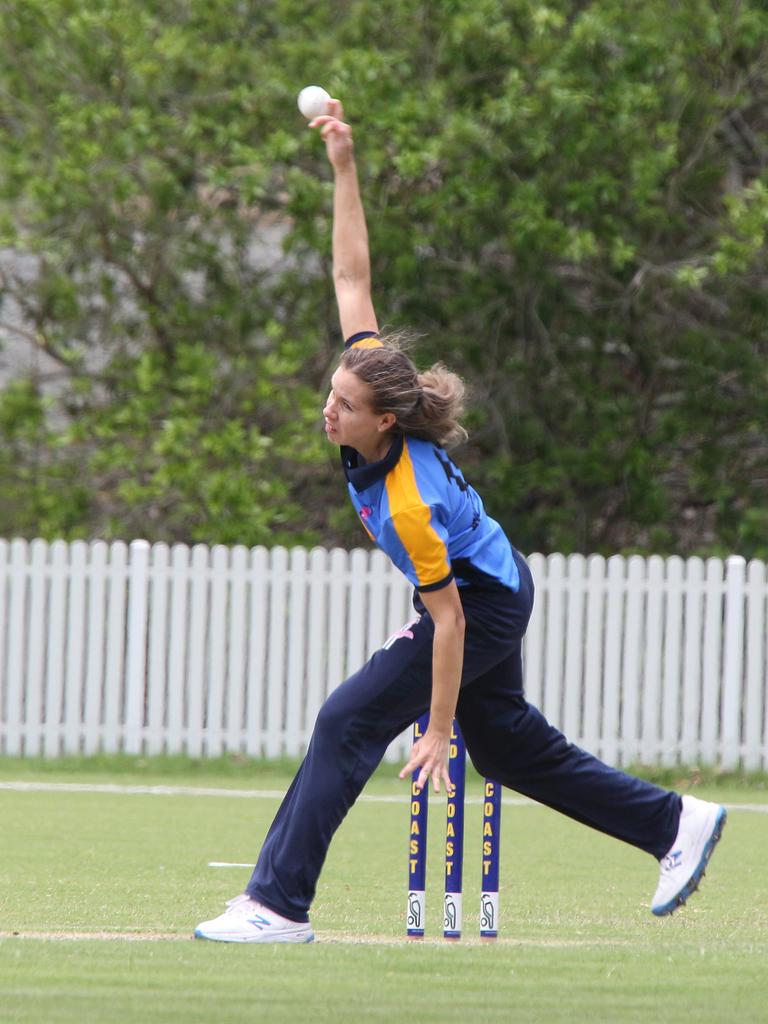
[578, 938]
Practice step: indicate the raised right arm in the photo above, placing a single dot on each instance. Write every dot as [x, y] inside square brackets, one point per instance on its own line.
[351, 257]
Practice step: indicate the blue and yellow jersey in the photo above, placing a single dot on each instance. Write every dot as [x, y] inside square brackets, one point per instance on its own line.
[416, 505]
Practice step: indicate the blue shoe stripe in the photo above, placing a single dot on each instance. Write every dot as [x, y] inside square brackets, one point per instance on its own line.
[201, 935]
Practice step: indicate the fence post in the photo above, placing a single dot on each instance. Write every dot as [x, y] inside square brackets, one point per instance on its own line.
[612, 642]
[75, 645]
[733, 659]
[274, 740]
[297, 646]
[14, 715]
[33, 742]
[138, 581]
[690, 736]
[574, 641]
[157, 650]
[671, 682]
[216, 660]
[199, 609]
[257, 651]
[94, 647]
[552, 677]
[593, 654]
[755, 678]
[711, 682]
[632, 661]
[236, 650]
[114, 671]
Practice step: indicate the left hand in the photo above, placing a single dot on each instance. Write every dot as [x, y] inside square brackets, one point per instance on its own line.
[430, 754]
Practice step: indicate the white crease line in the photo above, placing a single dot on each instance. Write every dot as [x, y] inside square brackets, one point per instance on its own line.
[258, 794]
[253, 794]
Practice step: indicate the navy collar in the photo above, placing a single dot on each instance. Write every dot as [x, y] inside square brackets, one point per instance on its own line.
[362, 474]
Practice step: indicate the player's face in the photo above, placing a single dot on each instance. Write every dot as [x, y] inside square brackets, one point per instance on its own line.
[349, 418]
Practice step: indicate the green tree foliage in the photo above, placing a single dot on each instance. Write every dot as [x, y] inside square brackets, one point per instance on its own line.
[569, 200]
[134, 177]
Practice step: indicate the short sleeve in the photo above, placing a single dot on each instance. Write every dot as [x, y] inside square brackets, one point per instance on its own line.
[422, 543]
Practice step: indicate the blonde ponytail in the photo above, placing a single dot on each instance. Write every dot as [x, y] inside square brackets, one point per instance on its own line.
[442, 404]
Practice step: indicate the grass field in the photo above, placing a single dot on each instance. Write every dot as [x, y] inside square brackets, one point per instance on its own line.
[100, 891]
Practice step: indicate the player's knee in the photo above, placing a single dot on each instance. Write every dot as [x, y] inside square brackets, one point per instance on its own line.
[338, 715]
[330, 718]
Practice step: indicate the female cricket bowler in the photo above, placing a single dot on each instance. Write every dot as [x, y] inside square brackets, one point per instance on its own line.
[461, 657]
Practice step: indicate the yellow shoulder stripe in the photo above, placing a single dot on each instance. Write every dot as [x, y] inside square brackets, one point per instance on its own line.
[412, 520]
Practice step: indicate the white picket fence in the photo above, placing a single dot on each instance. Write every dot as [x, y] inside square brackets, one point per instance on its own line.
[115, 647]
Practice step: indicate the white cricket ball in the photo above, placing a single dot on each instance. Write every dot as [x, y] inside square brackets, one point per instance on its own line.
[313, 101]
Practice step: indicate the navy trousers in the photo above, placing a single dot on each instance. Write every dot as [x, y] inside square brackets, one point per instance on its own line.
[507, 738]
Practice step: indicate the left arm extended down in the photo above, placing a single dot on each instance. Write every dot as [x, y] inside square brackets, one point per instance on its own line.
[430, 753]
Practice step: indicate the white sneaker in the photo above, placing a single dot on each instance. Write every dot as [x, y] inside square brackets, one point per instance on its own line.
[682, 868]
[245, 920]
